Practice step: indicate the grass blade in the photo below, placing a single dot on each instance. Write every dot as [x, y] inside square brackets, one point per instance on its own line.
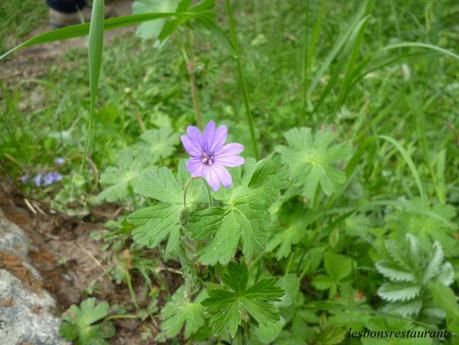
[422, 45]
[409, 162]
[96, 44]
[79, 30]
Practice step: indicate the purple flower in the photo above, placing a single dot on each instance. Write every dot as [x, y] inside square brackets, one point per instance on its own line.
[37, 180]
[59, 161]
[210, 155]
[51, 178]
[24, 179]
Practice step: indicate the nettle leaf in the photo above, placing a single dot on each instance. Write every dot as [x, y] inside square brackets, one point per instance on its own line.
[245, 215]
[118, 180]
[180, 311]
[164, 219]
[158, 143]
[226, 307]
[80, 323]
[313, 160]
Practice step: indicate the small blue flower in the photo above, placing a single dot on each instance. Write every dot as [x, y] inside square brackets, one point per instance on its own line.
[52, 177]
[37, 180]
[59, 161]
[24, 179]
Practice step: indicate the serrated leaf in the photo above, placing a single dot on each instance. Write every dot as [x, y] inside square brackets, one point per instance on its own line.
[156, 223]
[313, 160]
[394, 272]
[225, 307]
[446, 274]
[434, 266]
[406, 309]
[179, 312]
[393, 292]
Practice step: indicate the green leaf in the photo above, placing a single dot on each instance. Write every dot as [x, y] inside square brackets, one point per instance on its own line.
[226, 307]
[290, 228]
[164, 220]
[118, 180]
[337, 266]
[244, 217]
[393, 292]
[158, 143]
[322, 282]
[159, 184]
[156, 223]
[236, 276]
[79, 323]
[313, 160]
[394, 272]
[291, 285]
[179, 312]
[151, 30]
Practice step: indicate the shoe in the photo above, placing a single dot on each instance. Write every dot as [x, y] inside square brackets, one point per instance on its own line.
[61, 19]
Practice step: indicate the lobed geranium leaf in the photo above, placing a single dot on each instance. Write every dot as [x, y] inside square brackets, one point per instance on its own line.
[245, 216]
[180, 311]
[164, 220]
[225, 307]
[117, 180]
[80, 323]
[158, 143]
[313, 160]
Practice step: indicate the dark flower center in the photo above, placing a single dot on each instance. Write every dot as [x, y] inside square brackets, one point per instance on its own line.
[207, 159]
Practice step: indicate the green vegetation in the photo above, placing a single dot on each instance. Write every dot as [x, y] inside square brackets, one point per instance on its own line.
[344, 214]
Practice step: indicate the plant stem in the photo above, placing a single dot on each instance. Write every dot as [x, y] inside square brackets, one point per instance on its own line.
[191, 76]
[245, 94]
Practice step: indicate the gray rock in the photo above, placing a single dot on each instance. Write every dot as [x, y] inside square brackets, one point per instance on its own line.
[26, 314]
[12, 238]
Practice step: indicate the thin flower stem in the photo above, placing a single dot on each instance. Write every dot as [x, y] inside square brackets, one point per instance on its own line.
[245, 94]
[191, 76]
[188, 184]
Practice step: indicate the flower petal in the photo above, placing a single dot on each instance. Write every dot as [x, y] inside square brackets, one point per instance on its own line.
[219, 138]
[191, 147]
[212, 178]
[230, 161]
[229, 150]
[208, 136]
[194, 134]
[223, 176]
[195, 167]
